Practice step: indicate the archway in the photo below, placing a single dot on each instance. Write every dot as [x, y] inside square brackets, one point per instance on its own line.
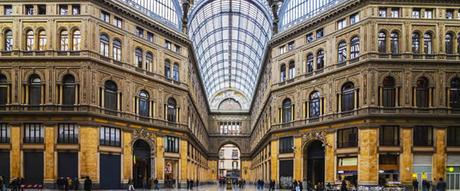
[141, 163]
[229, 166]
[313, 167]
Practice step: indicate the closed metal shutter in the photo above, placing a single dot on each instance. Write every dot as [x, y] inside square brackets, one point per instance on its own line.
[5, 166]
[110, 171]
[33, 167]
[68, 164]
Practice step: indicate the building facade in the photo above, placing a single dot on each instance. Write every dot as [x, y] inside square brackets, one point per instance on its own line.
[362, 91]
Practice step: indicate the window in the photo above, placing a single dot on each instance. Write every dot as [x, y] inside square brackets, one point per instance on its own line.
[33, 133]
[422, 92]
[68, 133]
[455, 93]
[286, 145]
[104, 45]
[176, 72]
[348, 97]
[150, 36]
[287, 110]
[309, 37]
[453, 136]
[4, 133]
[41, 9]
[42, 40]
[314, 108]
[282, 49]
[29, 40]
[140, 32]
[76, 35]
[63, 9]
[29, 9]
[68, 90]
[354, 18]
[394, 43]
[342, 24]
[35, 90]
[4, 90]
[138, 57]
[167, 69]
[319, 33]
[110, 95]
[382, 42]
[428, 13]
[458, 43]
[354, 47]
[389, 92]
[347, 137]
[449, 14]
[75, 9]
[320, 60]
[423, 136]
[290, 46]
[235, 165]
[117, 22]
[230, 128]
[172, 108]
[291, 71]
[148, 60]
[177, 48]
[7, 9]
[283, 73]
[64, 37]
[416, 43]
[342, 52]
[389, 136]
[8, 40]
[144, 104]
[428, 43]
[105, 17]
[395, 12]
[110, 136]
[168, 45]
[416, 13]
[117, 50]
[449, 43]
[383, 12]
[310, 63]
[171, 144]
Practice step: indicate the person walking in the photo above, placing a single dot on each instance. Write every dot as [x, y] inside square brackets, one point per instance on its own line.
[441, 186]
[155, 184]
[415, 184]
[76, 183]
[433, 185]
[88, 184]
[343, 187]
[2, 184]
[130, 185]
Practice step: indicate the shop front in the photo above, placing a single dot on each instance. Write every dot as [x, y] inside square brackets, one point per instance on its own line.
[347, 170]
[453, 172]
[389, 170]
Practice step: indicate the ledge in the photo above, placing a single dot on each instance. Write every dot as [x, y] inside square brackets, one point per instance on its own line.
[33, 147]
[385, 149]
[110, 149]
[351, 150]
[427, 149]
[75, 147]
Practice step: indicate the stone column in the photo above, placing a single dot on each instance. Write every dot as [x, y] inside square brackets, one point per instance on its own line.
[329, 174]
[298, 158]
[16, 159]
[89, 156]
[439, 157]
[183, 163]
[127, 156]
[274, 159]
[367, 159]
[49, 155]
[405, 167]
[160, 158]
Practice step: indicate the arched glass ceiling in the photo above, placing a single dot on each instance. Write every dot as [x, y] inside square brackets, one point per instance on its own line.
[168, 12]
[293, 12]
[230, 37]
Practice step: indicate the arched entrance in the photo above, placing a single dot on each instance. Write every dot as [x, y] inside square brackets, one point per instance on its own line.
[313, 168]
[141, 163]
[229, 166]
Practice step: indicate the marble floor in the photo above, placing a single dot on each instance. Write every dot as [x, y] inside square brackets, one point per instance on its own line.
[219, 188]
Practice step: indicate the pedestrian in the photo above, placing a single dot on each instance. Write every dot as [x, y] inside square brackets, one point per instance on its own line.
[343, 187]
[88, 184]
[2, 184]
[155, 183]
[441, 186]
[426, 185]
[433, 185]
[415, 184]
[130, 185]
[300, 186]
[294, 186]
[76, 183]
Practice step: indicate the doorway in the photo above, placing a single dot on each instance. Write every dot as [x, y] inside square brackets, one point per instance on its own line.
[314, 163]
[141, 164]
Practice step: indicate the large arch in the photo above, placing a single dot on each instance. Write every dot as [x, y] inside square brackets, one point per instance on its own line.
[229, 163]
[314, 162]
[143, 167]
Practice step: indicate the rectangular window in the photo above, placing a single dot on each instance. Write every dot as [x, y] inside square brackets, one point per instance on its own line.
[140, 32]
[428, 13]
[416, 13]
[395, 12]
[310, 37]
[383, 12]
[117, 22]
[449, 14]
[171, 144]
[7, 9]
[168, 45]
[29, 9]
[347, 137]
[291, 46]
[105, 16]
[33, 133]
[110, 136]
[150, 36]
[342, 24]
[389, 136]
[76, 10]
[423, 136]
[319, 33]
[286, 145]
[4, 133]
[42, 9]
[68, 133]
[282, 49]
[453, 136]
[354, 18]
[177, 48]
[63, 9]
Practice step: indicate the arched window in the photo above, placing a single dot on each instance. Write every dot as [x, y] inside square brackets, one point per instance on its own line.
[117, 50]
[458, 43]
[138, 57]
[422, 92]
[104, 45]
[416, 43]
[314, 108]
[68, 90]
[382, 42]
[64, 43]
[287, 110]
[389, 92]
[35, 90]
[354, 50]
[4, 87]
[394, 43]
[320, 60]
[172, 107]
[176, 71]
[167, 69]
[291, 71]
[76, 35]
[348, 97]
[342, 52]
[449, 43]
[428, 43]
[309, 63]
[42, 41]
[29, 40]
[9, 40]
[144, 106]
[148, 61]
[110, 95]
[455, 93]
[283, 73]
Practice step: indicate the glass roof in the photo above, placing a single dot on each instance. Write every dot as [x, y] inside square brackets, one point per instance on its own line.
[230, 37]
[168, 12]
